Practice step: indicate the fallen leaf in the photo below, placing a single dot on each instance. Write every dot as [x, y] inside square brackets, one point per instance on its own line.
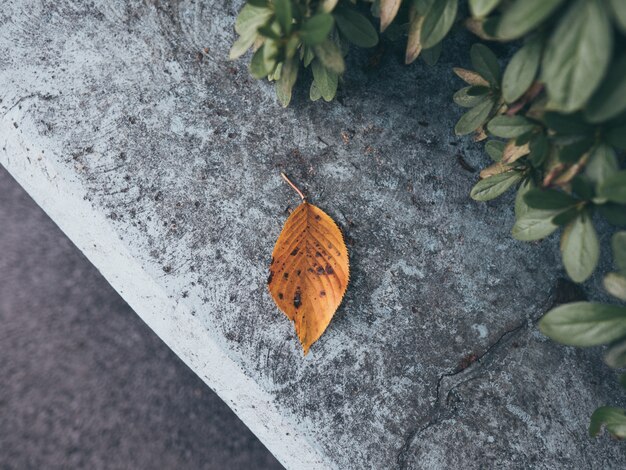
[310, 271]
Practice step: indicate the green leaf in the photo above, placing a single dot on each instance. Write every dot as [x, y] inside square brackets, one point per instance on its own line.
[615, 284]
[432, 54]
[615, 214]
[307, 55]
[534, 225]
[494, 186]
[257, 64]
[521, 208]
[355, 27]
[572, 152]
[482, 8]
[325, 80]
[524, 15]
[567, 124]
[330, 56]
[275, 74]
[610, 99]
[241, 45]
[602, 164]
[485, 63]
[613, 187]
[438, 20]
[566, 216]
[539, 149]
[250, 18]
[422, 6]
[577, 55]
[282, 9]
[248, 21]
[270, 54]
[548, 199]
[509, 127]
[521, 71]
[618, 244]
[316, 29]
[615, 357]
[580, 248]
[285, 83]
[616, 136]
[619, 13]
[269, 31]
[494, 149]
[582, 188]
[584, 323]
[474, 118]
[614, 419]
[468, 98]
[314, 92]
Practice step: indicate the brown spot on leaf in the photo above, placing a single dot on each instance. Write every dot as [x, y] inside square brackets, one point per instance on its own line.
[270, 277]
[297, 300]
[329, 269]
[286, 275]
[295, 251]
[322, 293]
[280, 295]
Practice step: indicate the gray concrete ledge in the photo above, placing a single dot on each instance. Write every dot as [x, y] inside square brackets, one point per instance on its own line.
[161, 162]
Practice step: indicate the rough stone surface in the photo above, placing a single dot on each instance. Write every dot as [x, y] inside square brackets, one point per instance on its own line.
[112, 109]
[85, 384]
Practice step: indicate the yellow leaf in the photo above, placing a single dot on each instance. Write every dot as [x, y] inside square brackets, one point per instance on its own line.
[414, 44]
[470, 77]
[310, 271]
[475, 26]
[480, 134]
[388, 11]
[494, 169]
[568, 175]
[512, 152]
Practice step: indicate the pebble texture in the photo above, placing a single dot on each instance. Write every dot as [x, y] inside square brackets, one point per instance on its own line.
[433, 360]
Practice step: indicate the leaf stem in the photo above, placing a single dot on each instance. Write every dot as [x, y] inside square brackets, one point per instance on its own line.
[293, 186]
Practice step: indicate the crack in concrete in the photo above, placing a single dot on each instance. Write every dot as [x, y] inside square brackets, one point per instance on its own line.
[562, 292]
[440, 409]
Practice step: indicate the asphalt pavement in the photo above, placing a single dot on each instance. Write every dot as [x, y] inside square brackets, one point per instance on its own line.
[84, 383]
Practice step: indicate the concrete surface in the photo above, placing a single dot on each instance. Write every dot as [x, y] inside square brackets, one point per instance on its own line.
[161, 162]
[85, 384]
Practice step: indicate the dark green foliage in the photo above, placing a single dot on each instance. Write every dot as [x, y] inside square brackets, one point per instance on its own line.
[592, 324]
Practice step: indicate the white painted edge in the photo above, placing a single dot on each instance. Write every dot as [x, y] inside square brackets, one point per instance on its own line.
[63, 200]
